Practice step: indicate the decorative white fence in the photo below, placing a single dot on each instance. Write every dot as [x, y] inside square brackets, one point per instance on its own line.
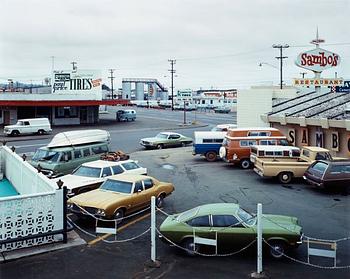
[35, 216]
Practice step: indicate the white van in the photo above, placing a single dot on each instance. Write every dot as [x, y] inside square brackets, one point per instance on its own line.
[29, 126]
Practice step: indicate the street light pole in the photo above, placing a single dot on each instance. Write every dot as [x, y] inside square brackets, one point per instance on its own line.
[281, 57]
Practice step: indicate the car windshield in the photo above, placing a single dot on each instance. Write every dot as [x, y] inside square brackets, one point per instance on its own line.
[187, 214]
[162, 136]
[87, 171]
[246, 217]
[46, 155]
[117, 186]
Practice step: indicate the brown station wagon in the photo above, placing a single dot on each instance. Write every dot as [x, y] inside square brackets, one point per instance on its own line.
[328, 174]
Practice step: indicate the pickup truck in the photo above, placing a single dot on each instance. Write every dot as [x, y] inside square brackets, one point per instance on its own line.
[287, 168]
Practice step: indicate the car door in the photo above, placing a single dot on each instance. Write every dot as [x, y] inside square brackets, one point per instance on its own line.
[150, 190]
[231, 232]
[139, 196]
[201, 227]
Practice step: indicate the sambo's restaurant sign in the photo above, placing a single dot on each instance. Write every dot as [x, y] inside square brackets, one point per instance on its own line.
[317, 60]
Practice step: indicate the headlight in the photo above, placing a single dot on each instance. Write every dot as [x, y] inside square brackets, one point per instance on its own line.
[101, 212]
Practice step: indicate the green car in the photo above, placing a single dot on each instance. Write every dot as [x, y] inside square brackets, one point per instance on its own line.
[232, 226]
[166, 139]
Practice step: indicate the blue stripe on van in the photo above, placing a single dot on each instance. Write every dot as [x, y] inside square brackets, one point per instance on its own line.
[203, 148]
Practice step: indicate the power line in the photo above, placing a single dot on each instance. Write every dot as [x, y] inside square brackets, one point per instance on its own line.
[172, 71]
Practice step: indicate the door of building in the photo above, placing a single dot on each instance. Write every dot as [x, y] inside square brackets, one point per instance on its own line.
[7, 117]
[83, 115]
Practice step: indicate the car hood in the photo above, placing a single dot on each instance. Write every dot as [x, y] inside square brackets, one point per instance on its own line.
[10, 126]
[98, 198]
[76, 181]
[281, 222]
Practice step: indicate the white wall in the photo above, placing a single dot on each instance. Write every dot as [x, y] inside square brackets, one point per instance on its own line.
[251, 104]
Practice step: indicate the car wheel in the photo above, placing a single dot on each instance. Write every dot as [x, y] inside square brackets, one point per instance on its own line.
[15, 133]
[191, 248]
[119, 215]
[245, 164]
[277, 249]
[159, 146]
[211, 156]
[41, 132]
[285, 177]
[160, 201]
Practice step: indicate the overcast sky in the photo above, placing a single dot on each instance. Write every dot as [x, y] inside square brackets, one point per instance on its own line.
[217, 43]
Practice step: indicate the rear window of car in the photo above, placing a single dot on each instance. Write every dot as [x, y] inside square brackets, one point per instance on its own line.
[320, 167]
[130, 166]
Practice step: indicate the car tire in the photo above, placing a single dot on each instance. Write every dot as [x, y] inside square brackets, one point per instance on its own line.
[119, 214]
[191, 248]
[245, 164]
[15, 133]
[41, 132]
[211, 156]
[160, 146]
[277, 249]
[160, 201]
[285, 177]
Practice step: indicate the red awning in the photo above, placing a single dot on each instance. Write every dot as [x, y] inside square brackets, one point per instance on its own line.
[65, 103]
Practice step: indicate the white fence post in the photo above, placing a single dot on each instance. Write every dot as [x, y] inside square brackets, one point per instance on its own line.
[259, 232]
[153, 229]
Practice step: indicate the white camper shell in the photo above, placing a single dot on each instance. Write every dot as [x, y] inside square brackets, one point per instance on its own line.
[29, 126]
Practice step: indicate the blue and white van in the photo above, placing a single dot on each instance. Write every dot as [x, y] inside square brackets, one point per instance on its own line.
[208, 144]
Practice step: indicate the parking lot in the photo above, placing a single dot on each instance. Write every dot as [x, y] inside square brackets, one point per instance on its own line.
[322, 215]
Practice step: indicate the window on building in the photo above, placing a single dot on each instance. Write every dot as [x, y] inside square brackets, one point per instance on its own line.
[66, 112]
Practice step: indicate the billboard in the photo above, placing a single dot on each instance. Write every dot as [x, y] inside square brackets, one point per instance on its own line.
[317, 60]
[80, 82]
[344, 88]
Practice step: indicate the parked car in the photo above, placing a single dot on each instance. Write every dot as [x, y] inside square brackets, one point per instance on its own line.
[126, 115]
[285, 169]
[235, 228]
[166, 139]
[29, 126]
[91, 175]
[329, 174]
[121, 195]
[208, 144]
[68, 150]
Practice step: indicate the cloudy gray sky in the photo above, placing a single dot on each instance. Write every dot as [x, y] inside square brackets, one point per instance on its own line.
[217, 43]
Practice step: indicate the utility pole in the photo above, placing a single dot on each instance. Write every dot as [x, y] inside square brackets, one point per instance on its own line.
[74, 66]
[172, 71]
[112, 77]
[281, 57]
[303, 74]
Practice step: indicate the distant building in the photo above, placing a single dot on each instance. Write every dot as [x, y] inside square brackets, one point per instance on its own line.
[74, 98]
[215, 98]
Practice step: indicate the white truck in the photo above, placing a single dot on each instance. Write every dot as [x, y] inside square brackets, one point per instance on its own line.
[29, 126]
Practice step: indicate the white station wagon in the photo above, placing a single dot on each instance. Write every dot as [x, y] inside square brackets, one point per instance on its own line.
[91, 175]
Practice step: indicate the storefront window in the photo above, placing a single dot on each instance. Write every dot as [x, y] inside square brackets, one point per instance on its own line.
[66, 112]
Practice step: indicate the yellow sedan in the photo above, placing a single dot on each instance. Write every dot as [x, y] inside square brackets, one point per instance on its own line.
[121, 195]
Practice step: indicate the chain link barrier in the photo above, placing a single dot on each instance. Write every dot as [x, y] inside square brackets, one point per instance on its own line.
[306, 263]
[104, 240]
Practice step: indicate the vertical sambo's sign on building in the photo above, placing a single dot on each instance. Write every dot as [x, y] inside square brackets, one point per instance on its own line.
[82, 82]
